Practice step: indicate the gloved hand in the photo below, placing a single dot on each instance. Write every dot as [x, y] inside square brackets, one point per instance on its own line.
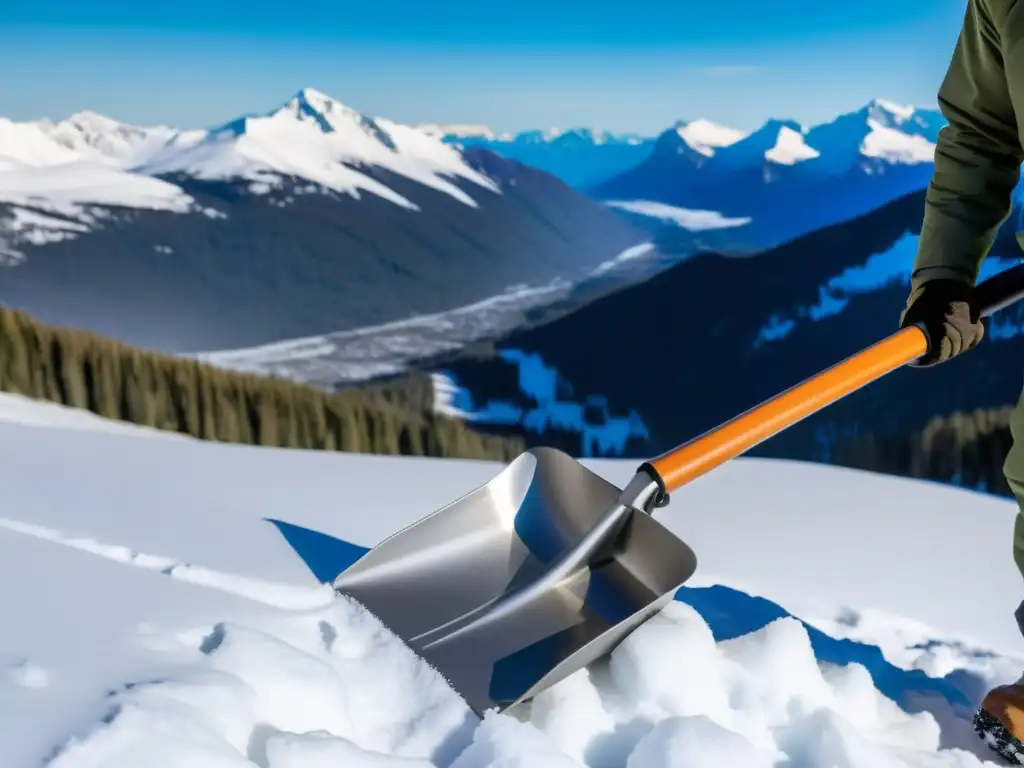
[947, 310]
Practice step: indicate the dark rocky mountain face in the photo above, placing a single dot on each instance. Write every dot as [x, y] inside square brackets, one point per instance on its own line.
[305, 261]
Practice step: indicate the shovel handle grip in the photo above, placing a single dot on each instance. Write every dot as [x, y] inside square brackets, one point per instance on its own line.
[692, 459]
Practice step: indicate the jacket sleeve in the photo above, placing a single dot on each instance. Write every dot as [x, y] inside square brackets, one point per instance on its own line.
[977, 159]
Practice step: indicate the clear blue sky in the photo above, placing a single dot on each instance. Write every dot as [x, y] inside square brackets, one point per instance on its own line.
[636, 65]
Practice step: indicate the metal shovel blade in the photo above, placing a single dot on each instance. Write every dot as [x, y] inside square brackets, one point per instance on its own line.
[523, 581]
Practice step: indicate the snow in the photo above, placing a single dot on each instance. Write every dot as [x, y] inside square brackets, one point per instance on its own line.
[70, 167]
[687, 218]
[318, 139]
[63, 201]
[179, 628]
[95, 137]
[66, 187]
[37, 228]
[17, 409]
[902, 111]
[880, 132]
[84, 136]
[790, 148]
[704, 136]
[26, 144]
[630, 254]
[894, 146]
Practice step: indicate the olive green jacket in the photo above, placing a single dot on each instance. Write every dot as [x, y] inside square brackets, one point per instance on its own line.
[978, 155]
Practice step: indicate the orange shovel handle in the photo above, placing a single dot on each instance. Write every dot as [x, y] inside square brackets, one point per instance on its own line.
[702, 454]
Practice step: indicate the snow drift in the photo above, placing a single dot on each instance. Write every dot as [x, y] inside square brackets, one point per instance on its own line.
[159, 620]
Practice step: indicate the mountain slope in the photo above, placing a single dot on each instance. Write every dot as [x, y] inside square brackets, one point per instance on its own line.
[199, 637]
[674, 164]
[309, 219]
[734, 332]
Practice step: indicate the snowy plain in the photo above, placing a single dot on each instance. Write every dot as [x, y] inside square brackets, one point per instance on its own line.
[153, 616]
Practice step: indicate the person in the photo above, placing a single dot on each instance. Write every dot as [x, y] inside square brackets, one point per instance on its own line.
[978, 159]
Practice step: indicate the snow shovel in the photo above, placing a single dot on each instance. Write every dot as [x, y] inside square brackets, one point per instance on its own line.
[547, 567]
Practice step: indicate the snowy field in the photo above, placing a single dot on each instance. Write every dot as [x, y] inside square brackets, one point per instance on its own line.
[154, 617]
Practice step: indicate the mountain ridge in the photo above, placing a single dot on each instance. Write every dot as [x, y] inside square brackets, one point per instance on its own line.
[309, 218]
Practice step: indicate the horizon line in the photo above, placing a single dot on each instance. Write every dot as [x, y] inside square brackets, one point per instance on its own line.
[494, 133]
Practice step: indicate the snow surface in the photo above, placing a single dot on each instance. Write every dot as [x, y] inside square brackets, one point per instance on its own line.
[17, 409]
[81, 193]
[78, 169]
[26, 144]
[630, 254]
[704, 136]
[92, 136]
[66, 187]
[37, 228]
[790, 148]
[687, 218]
[178, 628]
[894, 146]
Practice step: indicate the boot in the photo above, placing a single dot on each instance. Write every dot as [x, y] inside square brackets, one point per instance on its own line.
[999, 721]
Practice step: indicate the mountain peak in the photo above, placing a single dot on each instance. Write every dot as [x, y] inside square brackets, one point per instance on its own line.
[310, 104]
[891, 109]
[704, 136]
[86, 118]
[701, 136]
[315, 98]
[779, 141]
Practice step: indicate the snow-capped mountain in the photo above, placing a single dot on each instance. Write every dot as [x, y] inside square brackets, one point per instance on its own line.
[789, 178]
[320, 140]
[880, 133]
[310, 218]
[94, 137]
[776, 143]
[676, 161]
[699, 137]
[83, 137]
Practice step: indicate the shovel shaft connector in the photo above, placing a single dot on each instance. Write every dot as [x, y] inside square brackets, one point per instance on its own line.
[690, 460]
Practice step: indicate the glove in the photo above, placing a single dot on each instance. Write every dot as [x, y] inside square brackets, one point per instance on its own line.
[947, 311]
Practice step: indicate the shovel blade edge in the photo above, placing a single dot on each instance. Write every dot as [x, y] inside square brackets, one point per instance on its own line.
[502, 537]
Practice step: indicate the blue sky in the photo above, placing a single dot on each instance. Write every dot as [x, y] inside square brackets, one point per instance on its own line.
[634, 66]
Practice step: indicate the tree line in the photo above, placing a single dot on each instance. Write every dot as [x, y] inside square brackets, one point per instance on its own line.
[965, 448]
[118, 381]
